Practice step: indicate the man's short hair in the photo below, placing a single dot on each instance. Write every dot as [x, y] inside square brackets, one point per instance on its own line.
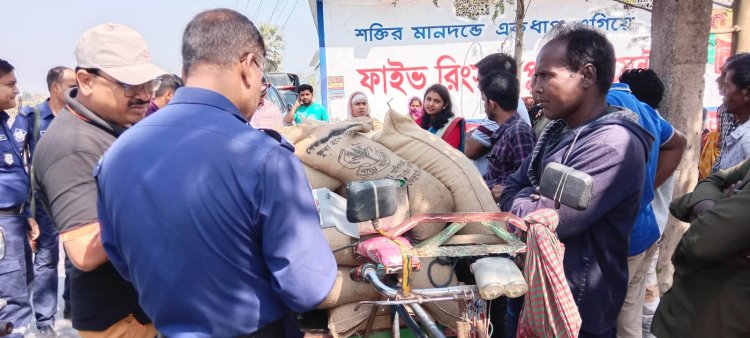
[5, 67]
[55, 74]
[502, 87]
[741, 67]
[732, 57]
[304, 87]
[496, 61]
[219, 37]
[645, 85]
[168, 82]
[584, 45]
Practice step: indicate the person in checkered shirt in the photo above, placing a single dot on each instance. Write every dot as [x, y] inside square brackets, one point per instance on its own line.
[513, 140]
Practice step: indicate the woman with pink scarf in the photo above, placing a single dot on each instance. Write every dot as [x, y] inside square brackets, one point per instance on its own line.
[415, 108]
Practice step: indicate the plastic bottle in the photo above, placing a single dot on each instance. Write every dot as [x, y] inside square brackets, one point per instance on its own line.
[497, 276]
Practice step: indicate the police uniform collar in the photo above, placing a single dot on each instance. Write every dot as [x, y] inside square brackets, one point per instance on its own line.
[45, 111]
[5, 116]
[80, 111]
[195, 95]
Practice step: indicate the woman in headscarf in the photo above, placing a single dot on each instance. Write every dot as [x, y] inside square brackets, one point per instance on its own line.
[439, 119]
[358, 105]
[415, 108]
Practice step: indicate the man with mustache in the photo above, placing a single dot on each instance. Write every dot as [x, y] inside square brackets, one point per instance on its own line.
[15, 143]
[116, 80]
[574, 71]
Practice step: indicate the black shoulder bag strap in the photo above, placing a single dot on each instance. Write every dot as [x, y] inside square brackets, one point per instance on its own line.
[35, 135]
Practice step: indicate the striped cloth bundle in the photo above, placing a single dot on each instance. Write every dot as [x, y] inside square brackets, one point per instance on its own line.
[549, 309]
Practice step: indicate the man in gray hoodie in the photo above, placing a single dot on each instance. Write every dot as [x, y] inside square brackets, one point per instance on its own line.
[573, 73]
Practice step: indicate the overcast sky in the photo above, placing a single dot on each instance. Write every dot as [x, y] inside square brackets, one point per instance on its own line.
[40, 34]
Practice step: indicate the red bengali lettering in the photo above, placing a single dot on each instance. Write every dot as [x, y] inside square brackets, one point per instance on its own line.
[529, 68]
[371, 78]
[393, 74]
[397, 71]
[418, 80]
[451, 72]
[465, 74]
[397, 75]
[632, 62]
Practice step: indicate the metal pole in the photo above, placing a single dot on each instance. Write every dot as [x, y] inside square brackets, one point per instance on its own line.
[396, 328]
[457, 292]
[425, 318]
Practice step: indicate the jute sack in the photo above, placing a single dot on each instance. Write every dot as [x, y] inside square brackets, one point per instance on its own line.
[375, 123]
[292, 134]
[337, 240]
[319, 179]
[296, 133]
[346, 291]
[341, 151]
[451, 167]
[441, 275]
[343, 321]
[312, 121]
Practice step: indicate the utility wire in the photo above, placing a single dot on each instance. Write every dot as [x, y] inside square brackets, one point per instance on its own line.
[281, 13]
[258, 10]
[275, 7]
[290, 15]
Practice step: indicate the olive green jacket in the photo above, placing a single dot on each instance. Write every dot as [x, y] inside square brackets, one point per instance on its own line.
[721, 233]
[711, 290]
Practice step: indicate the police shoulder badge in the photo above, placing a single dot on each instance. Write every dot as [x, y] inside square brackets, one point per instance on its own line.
[19, 134]
[8, 159]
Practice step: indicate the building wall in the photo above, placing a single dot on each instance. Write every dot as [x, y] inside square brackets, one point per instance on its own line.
[388, 52]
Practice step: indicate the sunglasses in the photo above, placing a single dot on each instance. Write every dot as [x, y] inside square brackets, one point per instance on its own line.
[149, 87]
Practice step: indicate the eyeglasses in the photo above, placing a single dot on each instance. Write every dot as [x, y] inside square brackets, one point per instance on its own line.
[149, 87]
[265, 84]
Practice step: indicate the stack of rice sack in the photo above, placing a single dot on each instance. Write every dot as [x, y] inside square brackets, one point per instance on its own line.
[439, 179]
[346, 152]
[451, 167]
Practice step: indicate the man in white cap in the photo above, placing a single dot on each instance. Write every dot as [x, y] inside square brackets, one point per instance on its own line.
[116, 80]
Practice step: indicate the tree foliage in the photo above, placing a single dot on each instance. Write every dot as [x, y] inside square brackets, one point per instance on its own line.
[498, 7]
[274, 46]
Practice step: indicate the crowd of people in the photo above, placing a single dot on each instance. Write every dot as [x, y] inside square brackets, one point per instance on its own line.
[190, 223]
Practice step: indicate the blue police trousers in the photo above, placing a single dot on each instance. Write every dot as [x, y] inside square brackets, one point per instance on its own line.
[44, 288]
[15, 271]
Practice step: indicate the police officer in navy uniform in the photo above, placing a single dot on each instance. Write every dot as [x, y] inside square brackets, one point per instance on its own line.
[16, 144]
[46, 256]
